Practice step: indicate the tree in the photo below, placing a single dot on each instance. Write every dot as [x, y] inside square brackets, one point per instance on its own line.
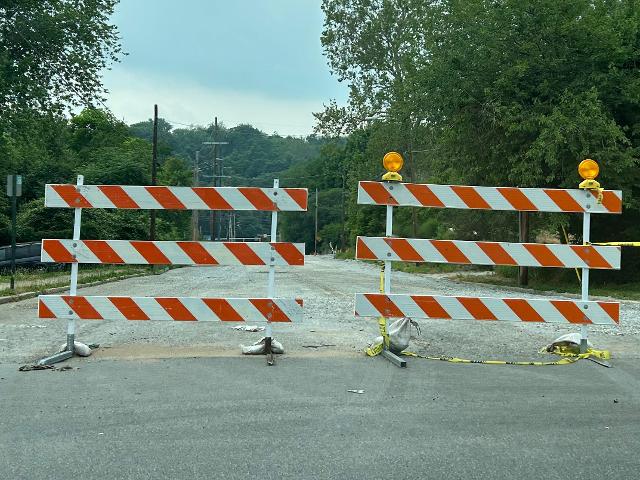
[52, 53]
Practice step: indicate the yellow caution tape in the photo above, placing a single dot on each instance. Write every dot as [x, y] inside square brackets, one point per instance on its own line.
[617, 244]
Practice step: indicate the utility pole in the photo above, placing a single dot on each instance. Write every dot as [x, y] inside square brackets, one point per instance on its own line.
[194, 213]
[154, 170]
[315, 236]
[212, 213]
[215, 176]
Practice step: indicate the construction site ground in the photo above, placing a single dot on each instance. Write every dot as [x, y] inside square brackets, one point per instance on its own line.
[178, 400]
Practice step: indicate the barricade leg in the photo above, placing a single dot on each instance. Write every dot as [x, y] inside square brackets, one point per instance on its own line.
[586, 234]
[271, 286]
[73, 289]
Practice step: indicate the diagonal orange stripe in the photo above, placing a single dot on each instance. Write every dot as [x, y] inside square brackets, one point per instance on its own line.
[476, 308]
[384, 305]
[196, 252]
[44, 311]
[523, 310]
[165, 197]
[223, 309]
[610, 201]
[299, 195]
[104, 251]
[129, 308]
[57, 251]
[269, 309]
[289, 253]
[471, 197]
[176, 309]
[378, 193]
[496, 253]
[564, 200]
[212, 198]
[543, 255]
[450, 251]
[430, 306]
[590, 256]
[69, 194]
[82, 307]
[612, 309]
[424, 195]
[363, 252]
[258, 198]
[150, 252]
[517, 199]
[404, 250]
[118, 196]
[570, 311]
[244, 253]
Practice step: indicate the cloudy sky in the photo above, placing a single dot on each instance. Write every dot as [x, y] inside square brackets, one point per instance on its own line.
[246, 61]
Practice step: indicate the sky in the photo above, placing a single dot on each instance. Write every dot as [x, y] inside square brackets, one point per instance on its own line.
[246, 61]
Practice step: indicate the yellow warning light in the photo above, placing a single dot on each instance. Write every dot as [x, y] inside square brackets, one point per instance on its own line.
[392, 162]
[588, 169]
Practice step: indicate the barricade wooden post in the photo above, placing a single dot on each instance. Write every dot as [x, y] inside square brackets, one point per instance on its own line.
[267, 309]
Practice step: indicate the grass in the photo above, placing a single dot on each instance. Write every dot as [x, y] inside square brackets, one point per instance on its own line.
[40, 279]
[624, 291]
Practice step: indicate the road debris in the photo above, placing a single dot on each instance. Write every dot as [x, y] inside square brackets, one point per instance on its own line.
[248, 328]
[359, 392]
[319, 346]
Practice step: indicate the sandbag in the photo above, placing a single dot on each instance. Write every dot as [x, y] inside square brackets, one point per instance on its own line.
[399, 334]
[79, 349]
[258, 347]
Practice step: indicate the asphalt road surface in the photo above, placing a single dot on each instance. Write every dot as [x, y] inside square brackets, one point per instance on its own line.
[235, 418]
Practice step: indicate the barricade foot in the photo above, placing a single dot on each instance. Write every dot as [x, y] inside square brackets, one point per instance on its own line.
[58, 357]
[393, 358]
[268, 352]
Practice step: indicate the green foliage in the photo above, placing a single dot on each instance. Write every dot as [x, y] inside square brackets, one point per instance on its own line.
[52, 53]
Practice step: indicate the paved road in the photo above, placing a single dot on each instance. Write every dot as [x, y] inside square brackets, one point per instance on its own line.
[234, 418]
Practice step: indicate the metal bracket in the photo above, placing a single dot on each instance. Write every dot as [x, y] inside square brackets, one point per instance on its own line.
[57, 358]
[395, 359]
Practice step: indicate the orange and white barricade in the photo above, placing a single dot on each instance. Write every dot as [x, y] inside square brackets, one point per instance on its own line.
[586, 200]
[267, 309]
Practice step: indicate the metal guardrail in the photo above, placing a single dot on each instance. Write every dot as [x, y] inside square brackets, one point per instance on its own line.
[26, 253]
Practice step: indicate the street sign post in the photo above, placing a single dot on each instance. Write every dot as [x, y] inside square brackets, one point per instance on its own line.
[14, 190]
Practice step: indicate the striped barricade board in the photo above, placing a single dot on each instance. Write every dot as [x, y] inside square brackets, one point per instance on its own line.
[486, 308]
[487, 253]
[170, 308]
[488, 198]
[173, 253]
[175, 198]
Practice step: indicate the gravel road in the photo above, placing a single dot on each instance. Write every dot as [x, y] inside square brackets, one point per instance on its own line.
[327, 286]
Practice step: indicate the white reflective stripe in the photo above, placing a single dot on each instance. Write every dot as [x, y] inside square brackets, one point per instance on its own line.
[283, 200]
[541, 200]
[189, 198]
[174, 253]
[494, 198]
[95, 196]
[567, 256]
[82, 252]
[52, 199]
[474, 253]
[520, 254]
[500, 310]
[128, 253]
[236, 199]
[447, 196]
[142, 197]
[58, 306]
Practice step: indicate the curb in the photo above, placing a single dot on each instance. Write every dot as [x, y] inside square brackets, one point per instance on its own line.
[27, 295]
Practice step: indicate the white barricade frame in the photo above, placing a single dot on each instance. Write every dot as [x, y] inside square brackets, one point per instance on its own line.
[267, 309]
[389, 249]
